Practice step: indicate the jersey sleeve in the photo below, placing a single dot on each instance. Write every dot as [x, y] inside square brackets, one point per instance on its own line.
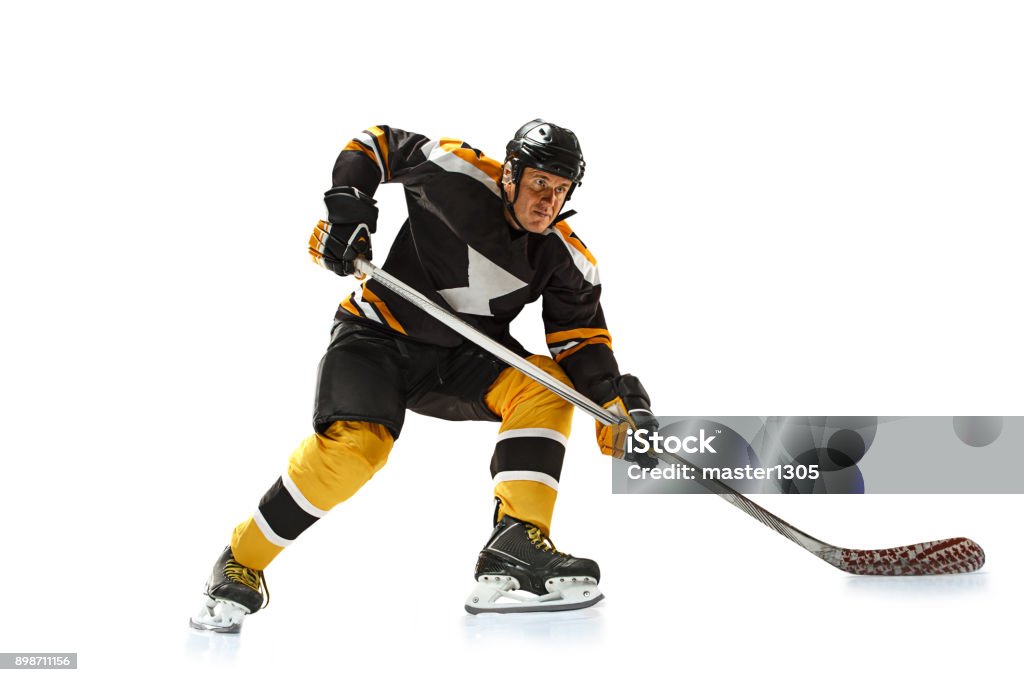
[577, 336]
[379, 154]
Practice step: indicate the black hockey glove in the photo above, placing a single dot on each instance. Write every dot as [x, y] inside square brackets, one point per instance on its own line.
[345, 236]
[627, 399]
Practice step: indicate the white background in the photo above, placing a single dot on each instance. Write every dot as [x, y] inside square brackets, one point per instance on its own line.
[798, 208]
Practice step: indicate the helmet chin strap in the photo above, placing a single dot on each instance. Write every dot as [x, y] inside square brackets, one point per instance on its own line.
[561, 216]
[510, 205]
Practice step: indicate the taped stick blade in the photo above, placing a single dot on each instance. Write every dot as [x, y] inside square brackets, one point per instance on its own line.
[941, 557]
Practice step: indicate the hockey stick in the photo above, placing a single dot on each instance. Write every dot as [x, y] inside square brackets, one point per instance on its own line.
[954, 555]
[365, 267]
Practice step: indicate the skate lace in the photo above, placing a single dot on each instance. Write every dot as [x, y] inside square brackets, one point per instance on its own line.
[540, 541]
[249, 577]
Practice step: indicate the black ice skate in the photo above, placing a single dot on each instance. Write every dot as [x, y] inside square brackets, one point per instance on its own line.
[519, 557]
[232, 592]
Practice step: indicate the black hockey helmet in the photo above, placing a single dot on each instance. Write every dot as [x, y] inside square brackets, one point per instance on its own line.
[547, 147]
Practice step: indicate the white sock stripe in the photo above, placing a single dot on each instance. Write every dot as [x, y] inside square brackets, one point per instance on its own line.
[534, 433]
[300, 499]
[267, 531]
[535, 476]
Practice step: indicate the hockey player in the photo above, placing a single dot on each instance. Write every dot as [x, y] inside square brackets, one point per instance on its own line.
[482, 239]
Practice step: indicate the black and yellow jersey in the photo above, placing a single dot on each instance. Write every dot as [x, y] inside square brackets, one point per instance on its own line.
[457, 249]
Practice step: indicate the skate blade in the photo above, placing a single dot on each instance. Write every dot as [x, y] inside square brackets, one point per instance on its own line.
[216, 615]
[565, 595]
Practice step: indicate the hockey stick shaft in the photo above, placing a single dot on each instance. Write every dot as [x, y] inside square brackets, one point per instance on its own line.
[602, 415]
[392, 283]
[956, 555]
[735, 498]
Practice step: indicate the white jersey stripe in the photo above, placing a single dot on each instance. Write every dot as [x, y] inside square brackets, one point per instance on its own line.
[586, 268]
[555, 350]
[300, 499]
[428, 148]
[534, 433]
[368, 309]
[536, 476]
[267, 531]
[452, 163]
[371, 142]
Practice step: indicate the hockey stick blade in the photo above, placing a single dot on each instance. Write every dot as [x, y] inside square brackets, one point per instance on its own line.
[955, 555]
[939, 557]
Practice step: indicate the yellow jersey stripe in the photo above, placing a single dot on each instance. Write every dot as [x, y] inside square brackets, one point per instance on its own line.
[382, 145]
[348, 305]
[584, 333]
[383, 309]
[574, 241]
[488, 166]
[589, 342]
[357, 146]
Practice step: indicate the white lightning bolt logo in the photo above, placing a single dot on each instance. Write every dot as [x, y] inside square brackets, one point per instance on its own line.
[486, 282]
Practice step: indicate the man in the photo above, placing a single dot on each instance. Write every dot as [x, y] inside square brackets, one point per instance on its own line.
[483, 239]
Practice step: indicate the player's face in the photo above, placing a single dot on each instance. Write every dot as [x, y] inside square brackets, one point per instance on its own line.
[540, 199]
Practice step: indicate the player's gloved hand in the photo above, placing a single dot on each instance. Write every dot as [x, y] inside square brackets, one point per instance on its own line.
[345, 236]
[625, 397]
